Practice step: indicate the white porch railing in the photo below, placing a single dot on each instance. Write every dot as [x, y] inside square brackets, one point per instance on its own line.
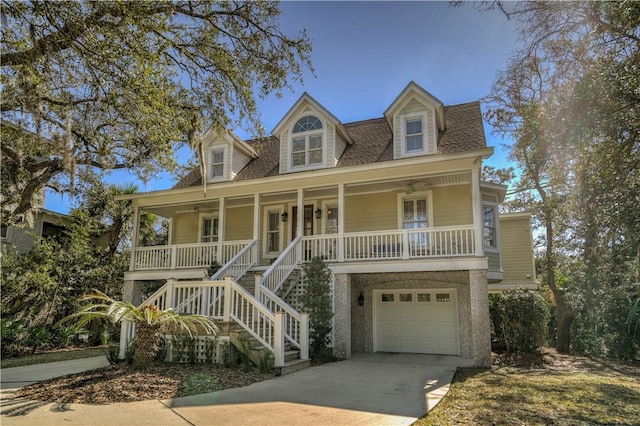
[325, 246]
[183, 256]
[394, 244]
[203, 297]
[278, 272]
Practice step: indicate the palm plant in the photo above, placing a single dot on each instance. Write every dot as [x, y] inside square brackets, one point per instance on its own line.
[150, 321]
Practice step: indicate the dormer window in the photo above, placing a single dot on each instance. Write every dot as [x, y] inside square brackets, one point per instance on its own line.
[306, 142]
[413, 135]
[217, 163]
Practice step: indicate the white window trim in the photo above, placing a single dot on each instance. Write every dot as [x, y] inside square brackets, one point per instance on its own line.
[306, 135]
[496, 218]
[201, 218]
[265, 233]
[225, 163]
[426, 137]
[428, 195]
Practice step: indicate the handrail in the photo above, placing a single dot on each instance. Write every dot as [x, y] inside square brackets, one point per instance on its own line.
[228, 268]
[252, 315]
[293, 319]
[278, 272]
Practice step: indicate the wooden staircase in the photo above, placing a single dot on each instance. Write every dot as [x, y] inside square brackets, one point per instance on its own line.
[246, 343]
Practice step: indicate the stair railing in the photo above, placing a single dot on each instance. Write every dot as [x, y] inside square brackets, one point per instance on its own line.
[296, 324]
[239, 264]
[279, 271]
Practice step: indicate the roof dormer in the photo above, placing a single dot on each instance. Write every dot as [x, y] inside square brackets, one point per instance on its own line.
[415, 117]
[310, 137]
[225, 155]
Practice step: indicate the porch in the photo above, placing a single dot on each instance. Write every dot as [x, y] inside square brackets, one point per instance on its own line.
[396, 244]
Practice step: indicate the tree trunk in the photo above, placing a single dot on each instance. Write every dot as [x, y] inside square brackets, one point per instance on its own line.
[147, 343]
[564, 313]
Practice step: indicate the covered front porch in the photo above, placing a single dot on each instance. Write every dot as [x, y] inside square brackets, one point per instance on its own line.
[418, 218]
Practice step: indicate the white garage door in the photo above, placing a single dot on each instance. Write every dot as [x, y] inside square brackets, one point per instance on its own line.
[416, 321]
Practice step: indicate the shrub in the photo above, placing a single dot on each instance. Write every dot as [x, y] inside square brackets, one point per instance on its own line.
[523, 316]
[317, 301]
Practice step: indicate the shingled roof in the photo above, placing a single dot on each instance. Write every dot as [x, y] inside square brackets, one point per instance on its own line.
[372, 143]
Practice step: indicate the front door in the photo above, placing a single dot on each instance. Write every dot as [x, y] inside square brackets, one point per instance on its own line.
[308, 221]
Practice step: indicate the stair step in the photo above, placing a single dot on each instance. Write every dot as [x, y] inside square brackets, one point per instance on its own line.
[292, 366]
[291, 355]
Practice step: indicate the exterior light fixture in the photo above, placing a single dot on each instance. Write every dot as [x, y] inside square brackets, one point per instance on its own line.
[285, 216]
[318, 213]
[361, 299]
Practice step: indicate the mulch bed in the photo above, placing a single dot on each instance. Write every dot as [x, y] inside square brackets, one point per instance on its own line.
[121, 383]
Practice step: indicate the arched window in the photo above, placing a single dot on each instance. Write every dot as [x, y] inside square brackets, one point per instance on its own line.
[307, 123]
[306, 143]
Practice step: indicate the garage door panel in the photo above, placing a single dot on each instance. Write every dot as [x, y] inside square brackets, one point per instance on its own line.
[423, 321]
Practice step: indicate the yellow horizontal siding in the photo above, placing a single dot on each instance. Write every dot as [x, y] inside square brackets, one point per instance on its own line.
[373, 212]
[517, 254]
[239, 223]
[185, 228]
[452, 206]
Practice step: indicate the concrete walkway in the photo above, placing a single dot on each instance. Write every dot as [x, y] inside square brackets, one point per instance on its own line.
[380, 389]
[18, 377]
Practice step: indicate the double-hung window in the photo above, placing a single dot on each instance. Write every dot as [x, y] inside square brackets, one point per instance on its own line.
[413, 135]
[217, 163]
[273, 231]
[209, 229]
[415, 217]
[489, 222]
[415, 213]
[306, 143]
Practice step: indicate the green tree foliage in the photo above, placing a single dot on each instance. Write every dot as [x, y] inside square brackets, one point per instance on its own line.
[92, 86]
[151, 323]
[569, 99]
[43, 285]
[317, 302]
[521, 317]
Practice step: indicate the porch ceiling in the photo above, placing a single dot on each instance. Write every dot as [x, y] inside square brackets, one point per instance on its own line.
[408, 185]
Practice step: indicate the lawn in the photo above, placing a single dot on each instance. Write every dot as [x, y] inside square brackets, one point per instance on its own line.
[582, 393]
[59, 355]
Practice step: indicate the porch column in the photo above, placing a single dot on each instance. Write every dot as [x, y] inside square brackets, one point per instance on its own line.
[132, 292]
[221, 220]
[480, 323]
[300, 218]
[342, 316]
[256, 216]
[134, 237]
[341, 222]
[476, 199]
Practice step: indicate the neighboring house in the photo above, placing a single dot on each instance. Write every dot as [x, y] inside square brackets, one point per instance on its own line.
[394, 204]
[39, 223]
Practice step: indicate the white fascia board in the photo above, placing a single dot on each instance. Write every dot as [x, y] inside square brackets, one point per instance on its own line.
[418, 265]
[515, 215]
[334, 171]
[165, 274]
[419, 91]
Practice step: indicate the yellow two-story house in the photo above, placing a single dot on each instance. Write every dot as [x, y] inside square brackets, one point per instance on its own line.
[395, 205]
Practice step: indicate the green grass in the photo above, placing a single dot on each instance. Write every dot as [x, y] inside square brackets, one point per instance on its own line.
[62, 355]
[538, 397]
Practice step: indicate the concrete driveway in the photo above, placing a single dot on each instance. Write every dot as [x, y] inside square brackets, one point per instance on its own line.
[368, 389]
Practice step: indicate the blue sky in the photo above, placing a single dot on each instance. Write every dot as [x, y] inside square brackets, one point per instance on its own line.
[365, 53]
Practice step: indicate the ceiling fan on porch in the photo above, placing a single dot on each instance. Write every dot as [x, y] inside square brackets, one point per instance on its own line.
[415, 186]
